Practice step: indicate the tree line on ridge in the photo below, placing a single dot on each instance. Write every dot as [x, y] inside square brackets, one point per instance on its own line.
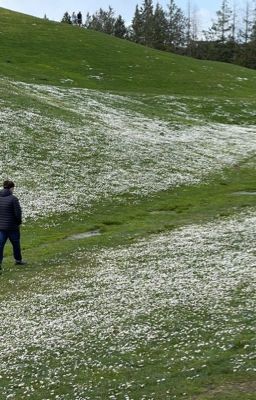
[229, 39]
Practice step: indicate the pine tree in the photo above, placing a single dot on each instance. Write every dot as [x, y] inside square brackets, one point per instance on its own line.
[160, 28]
[244, 33]
[66, 18]
[108, 19]
[98, 21]
[253, 29]
[176, 27]
[233, 36]
[147, 15]
[253, 33]
[189, 25]
[222, 29]
[248, 32]
[251, 47]
[102, 21]
[137, 26]
[120, 29]
[222, 35]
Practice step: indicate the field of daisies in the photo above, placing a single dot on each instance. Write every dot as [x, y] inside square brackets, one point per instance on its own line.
[168, 316]
[69, 148]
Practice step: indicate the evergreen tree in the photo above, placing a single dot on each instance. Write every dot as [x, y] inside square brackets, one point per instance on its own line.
[137, 26]
[176, 27]
[244, 33]
[248, 32]
[108, 18]
[66, 18]
[102, 21]
[96, 23]
[120, 29]
[253, 29]
[253, 33]
[249, 53]
[221, 45]
[222, 29]
[160, 28]
[234, 23]
[147, 16]
[189, 26]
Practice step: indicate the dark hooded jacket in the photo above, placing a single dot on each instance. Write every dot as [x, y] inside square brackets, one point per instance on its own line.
[10, 211]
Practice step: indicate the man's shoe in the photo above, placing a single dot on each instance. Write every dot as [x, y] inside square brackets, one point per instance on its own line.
[20, 262]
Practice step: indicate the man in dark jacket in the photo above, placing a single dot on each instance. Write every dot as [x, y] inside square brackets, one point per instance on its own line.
[10, 221]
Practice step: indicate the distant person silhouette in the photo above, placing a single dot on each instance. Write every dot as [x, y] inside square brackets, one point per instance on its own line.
[10, 221]
[79, 18]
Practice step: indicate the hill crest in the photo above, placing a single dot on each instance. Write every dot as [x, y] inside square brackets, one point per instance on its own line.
[39, 51]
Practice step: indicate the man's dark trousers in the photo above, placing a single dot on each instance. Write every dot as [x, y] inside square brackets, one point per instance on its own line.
[14, 237]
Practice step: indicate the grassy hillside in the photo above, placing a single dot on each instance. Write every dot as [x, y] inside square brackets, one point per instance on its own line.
[138, 190]
[38, 51]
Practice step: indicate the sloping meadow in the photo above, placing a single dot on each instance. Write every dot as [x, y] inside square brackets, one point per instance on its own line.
[161, 318]
[151, 320]
[70, 148]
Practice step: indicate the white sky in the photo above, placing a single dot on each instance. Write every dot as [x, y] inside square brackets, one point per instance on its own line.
[54, 9]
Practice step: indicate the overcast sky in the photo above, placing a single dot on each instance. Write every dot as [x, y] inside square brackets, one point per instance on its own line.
[54, 9]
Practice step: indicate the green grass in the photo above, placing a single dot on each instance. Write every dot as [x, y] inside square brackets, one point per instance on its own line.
[48, 250]
[190, 352]
[53, 52]
[134, 219]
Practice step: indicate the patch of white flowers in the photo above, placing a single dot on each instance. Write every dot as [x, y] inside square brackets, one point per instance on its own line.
[186, 292]
[178, 295]
[94, 146]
